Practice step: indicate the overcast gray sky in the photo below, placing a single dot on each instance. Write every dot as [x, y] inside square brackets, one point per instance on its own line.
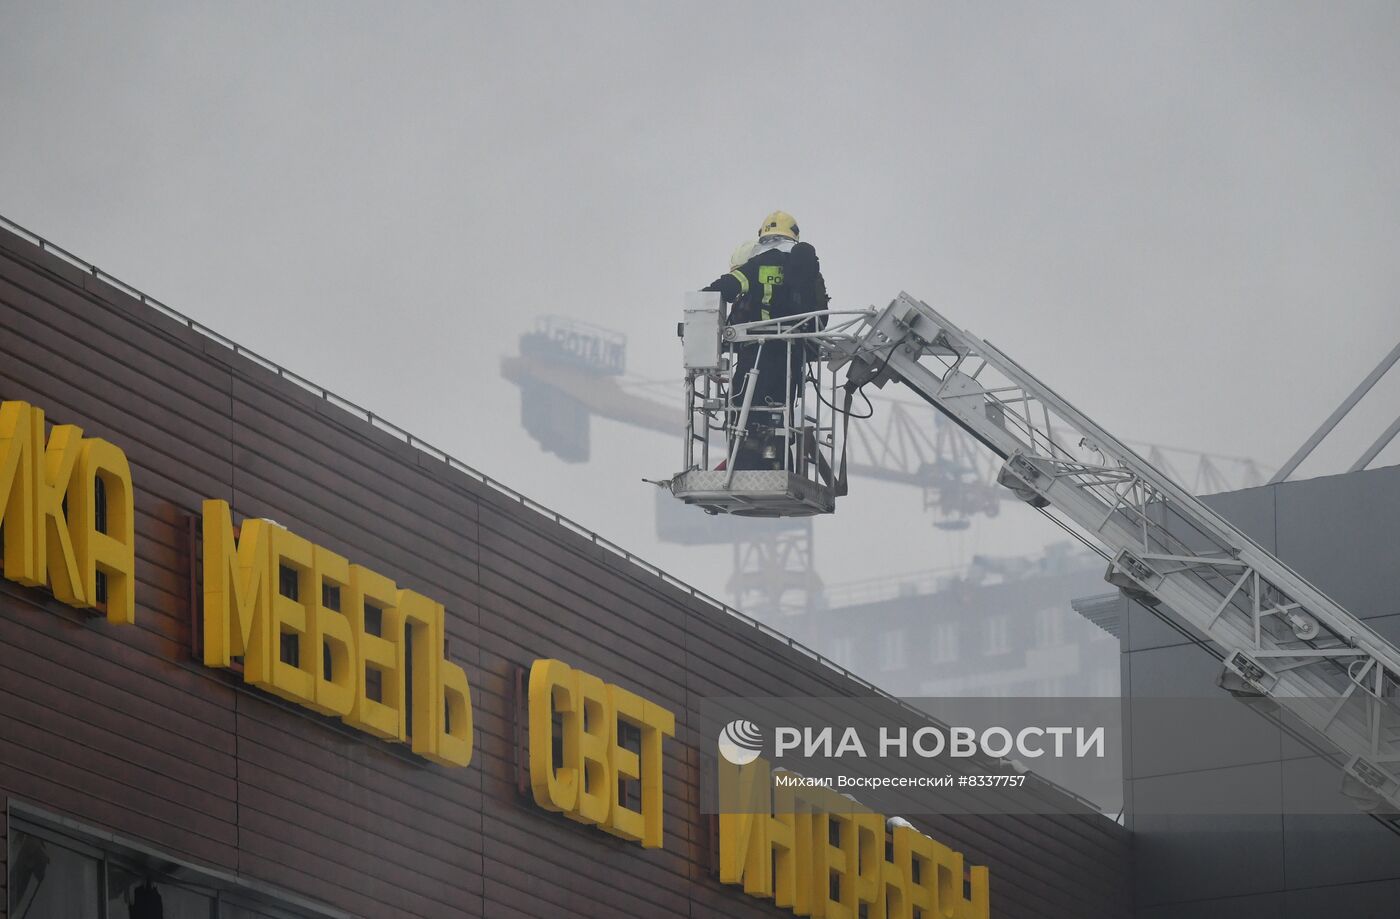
[1185, 216]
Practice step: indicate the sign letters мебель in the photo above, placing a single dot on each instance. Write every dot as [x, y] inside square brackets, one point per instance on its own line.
[270, 585]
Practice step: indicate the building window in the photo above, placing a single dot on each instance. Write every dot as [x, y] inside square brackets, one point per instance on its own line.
[943, 643]
[996, 635]
[57, 869]
[47, 879]
[892, 646]
[134, 893]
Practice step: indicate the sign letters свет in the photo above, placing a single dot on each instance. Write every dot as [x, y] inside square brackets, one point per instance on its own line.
[584, 784]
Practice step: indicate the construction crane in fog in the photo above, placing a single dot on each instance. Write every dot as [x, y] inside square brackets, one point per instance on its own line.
[570, 371]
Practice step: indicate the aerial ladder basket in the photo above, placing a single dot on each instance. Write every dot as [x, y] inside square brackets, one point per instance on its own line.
[764, 433]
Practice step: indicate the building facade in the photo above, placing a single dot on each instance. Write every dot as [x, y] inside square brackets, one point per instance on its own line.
[166, 733]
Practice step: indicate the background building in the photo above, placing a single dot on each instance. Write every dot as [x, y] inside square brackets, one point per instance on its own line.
[999, 627]
[1342, 533]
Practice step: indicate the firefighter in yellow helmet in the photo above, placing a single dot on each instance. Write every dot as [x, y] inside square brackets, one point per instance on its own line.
[781, 277]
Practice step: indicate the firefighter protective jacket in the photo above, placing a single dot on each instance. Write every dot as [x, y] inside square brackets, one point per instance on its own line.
[774, 284]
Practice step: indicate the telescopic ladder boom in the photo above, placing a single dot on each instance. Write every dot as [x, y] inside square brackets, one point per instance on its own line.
[1279, 636]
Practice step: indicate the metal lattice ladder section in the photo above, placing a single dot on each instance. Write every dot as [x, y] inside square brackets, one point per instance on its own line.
[1333, 678]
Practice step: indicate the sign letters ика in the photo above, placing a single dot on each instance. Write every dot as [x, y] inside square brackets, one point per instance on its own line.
[66, 506]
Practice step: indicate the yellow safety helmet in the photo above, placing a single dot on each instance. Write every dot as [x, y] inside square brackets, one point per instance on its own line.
[779, 223]
[742, 253]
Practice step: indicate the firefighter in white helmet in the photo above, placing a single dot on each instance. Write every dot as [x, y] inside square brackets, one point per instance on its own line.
[742, 253]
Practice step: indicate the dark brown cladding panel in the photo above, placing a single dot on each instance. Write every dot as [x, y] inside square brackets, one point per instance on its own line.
[121, 729]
